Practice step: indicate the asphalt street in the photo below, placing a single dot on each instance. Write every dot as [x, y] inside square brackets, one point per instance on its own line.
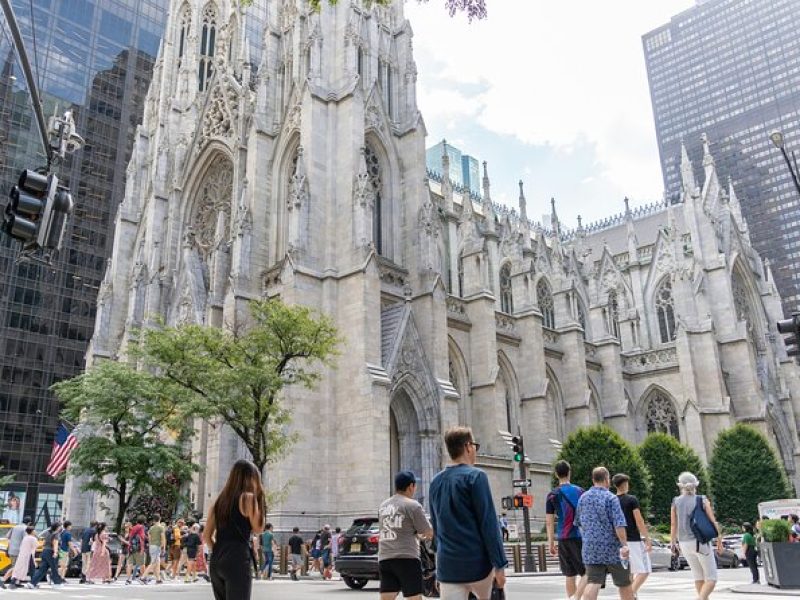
[661, 586]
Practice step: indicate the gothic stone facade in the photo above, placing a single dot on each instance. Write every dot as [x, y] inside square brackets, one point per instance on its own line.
[305, 179]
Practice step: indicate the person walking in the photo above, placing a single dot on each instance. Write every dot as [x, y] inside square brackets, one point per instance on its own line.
[26, 562]
[636, 529]
[201, 565]
[325, 541]
[503, 521]
[750, 549]
[315, 552]
[268, 550]
[560, 507]
[192, 543]
[157, 543]
[101, 557]
[15, 543]
[176, 547]
[86, 549]
[335, 538]
[124, 550]
[605, 542]
[66, 549]
[699, 556]
[402, 521]
[137, 550]
[48, 564]
[470, 556]
[296, 554]
[237, 512]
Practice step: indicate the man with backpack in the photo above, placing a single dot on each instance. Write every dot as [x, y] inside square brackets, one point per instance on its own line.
[692, 528]
[137, 554]
[560, 507]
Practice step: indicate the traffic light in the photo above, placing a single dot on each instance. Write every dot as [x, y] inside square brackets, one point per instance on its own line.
[507, 502]
[522, 501]
[518, 448]
[791, 327]
[37, 211]
[26, 205]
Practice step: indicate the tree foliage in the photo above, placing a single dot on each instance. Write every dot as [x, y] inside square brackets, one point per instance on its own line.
[599, 445]
[131, 432]
[744, 470]
[666, 458]
[238, 376]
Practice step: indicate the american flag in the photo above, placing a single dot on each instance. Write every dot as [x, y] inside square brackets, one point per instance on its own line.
[63, 445]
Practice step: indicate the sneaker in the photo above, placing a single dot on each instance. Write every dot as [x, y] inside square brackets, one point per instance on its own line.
[30, 586]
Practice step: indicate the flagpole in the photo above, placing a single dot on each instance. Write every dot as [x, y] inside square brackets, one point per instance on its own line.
[67, 422]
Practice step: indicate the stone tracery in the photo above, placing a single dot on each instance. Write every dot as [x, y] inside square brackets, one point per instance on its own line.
[660, 415]
[214, 197]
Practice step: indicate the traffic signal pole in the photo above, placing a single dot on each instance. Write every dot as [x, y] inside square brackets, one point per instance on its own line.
[523, 474]
[36, 100]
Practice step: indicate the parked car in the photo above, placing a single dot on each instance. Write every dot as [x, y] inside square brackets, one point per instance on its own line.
[357, 561]
[662, 557]
[728, 559]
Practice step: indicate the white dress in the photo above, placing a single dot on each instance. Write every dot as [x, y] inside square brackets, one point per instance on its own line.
[27, 549]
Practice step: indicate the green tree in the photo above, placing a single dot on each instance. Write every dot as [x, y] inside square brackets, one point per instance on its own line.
[131, 432]
[744, 470]
[239, 375]
[666, 458]
[599, 445]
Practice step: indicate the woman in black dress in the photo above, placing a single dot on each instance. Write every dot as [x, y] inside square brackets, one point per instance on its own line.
[237, 513]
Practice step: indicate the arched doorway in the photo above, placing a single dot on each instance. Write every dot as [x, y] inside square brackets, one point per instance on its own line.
[405, 443]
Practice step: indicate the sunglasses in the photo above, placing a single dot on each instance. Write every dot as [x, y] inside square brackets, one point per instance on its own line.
[476, 444]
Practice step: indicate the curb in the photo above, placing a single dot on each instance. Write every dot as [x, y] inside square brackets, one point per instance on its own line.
[764, 590]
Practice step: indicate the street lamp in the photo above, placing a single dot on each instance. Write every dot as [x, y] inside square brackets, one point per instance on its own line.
[778, 141]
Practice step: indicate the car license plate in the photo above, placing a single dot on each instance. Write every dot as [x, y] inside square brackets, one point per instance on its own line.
[355, 547]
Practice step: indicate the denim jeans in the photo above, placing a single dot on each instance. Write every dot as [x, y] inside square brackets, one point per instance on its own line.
[48, 564]
[269, 560]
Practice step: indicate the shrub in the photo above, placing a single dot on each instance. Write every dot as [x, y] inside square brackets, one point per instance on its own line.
[744, 470]
[599, 445]
[666, 458]
[776, 530]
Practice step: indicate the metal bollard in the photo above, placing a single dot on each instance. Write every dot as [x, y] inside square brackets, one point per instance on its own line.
[517, 555]
[542, 558]
[283, 560]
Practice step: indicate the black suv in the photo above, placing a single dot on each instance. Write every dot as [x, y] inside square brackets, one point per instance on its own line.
[357, 561]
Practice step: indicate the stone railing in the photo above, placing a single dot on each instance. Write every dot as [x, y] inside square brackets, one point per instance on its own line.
[549, 336]
[456, 307]
[505, 323]
[653, 359]
[646, 252]
[622, 260]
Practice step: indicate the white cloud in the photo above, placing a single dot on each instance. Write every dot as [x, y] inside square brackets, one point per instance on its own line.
[562, 74]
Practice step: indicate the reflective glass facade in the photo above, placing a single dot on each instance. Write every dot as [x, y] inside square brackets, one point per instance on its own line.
[731, 69]
[95, 58]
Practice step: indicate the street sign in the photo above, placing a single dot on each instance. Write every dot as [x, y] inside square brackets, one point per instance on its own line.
[521, 483]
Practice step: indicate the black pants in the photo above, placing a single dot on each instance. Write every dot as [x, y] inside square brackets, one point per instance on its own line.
[231, 576]
[752, 562]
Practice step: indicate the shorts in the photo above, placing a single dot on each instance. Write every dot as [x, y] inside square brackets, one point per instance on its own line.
[297, 561]
[63, 558]
[639, 559]
[137, 559]
[326, 558]
[401, 575]
[461, 591]
[191, 553]
[702, 562]
[174, 552]
[621, 576]
[155, 553]
[569, 557]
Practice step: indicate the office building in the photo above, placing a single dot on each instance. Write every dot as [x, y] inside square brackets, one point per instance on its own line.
[465, 170]
[730, 69]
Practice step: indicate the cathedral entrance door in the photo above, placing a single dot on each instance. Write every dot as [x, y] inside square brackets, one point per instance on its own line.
[405, 443]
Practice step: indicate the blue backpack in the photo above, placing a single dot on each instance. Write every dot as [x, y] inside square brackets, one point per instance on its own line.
[703, 529]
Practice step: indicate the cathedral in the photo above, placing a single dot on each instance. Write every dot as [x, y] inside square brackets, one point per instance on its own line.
[302, 175]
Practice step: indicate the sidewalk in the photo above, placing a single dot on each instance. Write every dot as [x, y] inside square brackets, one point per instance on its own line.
[765, 590]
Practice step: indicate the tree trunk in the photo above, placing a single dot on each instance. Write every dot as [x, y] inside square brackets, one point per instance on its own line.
[122, 506]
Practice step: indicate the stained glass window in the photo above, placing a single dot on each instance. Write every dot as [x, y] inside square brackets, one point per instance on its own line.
[374, 171]
[208, 40]
[665, 311]
[546, 306]
[506, 297]
[661, 416]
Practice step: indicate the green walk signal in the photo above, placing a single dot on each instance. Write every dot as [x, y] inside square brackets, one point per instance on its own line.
[517, 447]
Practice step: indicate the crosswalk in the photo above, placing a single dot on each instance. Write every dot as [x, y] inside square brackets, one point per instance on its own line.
[116, 589]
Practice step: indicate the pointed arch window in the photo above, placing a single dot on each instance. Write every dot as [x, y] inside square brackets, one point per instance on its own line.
[665, 312]
[612, 314]
[506, 296]
[660, 416]
[546, 305]
[208, 42]
[183, 34]
[374, 172]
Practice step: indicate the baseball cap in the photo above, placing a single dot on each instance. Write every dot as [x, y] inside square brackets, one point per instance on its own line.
[404, 479]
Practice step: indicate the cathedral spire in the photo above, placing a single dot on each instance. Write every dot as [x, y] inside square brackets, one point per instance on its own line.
[554, 222]
[687, 172]
[488, 207]
[486, 185]
[525, 226]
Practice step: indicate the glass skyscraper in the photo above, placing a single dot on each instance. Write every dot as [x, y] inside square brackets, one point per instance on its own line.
[95, 58]
[464, 169]
[731, 69]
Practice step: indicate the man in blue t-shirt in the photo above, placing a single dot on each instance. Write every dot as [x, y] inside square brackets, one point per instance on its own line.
[469, 546]
[560, 506]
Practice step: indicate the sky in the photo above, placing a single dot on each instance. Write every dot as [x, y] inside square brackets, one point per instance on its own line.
[552, 92]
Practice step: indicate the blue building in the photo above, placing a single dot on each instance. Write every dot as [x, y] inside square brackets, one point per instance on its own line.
[464, 169]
